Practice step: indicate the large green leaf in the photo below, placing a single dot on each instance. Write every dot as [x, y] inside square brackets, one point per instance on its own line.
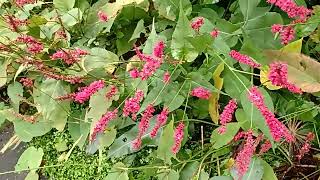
[30, 159]
[72, 17]
[15, 92]
[302, 70]
[78, 126]
[219, 140]
[181, 48]
[63, 5]
[53, 111]
[268, 173]
[166, 142]
[248, 8]
[138, 30]
[118, 172]
[99, 58]
[189, 171]
[32, 176]
[170, 8]
[235, 83]
[152, 40]
[168, 175]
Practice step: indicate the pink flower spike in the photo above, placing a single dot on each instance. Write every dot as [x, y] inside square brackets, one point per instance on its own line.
[14, 23]
[244, 59]
[291, 8]
[277, 128]
[33, 45]
[265, 147]
[134, 73]
[226, 115]
[159, 49]
[201, 93]
[276, 28]
[287, 35]
[244, 157]
[21, 3]
[214, 33]
[132, 105]
[26, 82]
[278, 76]
[113, 91]
[222, 129]
[103, 17]
[178, 137]
[197, 23]
[101, 125]
[166, 77]
[161, 120]
[85, 93]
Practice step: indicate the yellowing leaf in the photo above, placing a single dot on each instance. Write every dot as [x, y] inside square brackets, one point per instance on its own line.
[303, 71]
[293, 47]
[229, 163]
[214, 98]
[265, 80]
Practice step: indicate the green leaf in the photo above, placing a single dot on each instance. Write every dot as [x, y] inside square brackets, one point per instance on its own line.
[235, 83]
[123, 144]
[203, 175]
[99, 58]
[293, 47]
[242, 118]
[219, 140]
[32, 175]
[30, 159]
[189, 171]
[168, 175]
[107, 138]
[3, 71]
[268, 173]
[78, 126]
[118, 172]
[152, 40]
[181, 48]
[166, 142]
[248, 8]
[15, 92]
[63, 5]
[170, 8]
[61, 146]
[139, 29]
[255, 170]
[36, 21]
[221, 178]
[53, 111]
[252, 112]
[72, 17]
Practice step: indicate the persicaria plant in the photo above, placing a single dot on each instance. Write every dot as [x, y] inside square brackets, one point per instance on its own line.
[164, 89]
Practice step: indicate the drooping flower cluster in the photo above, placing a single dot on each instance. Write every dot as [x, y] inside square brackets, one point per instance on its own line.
[244, 59]
[101, 125]
[69, 56]
[21, 3]
[286, 33]
[14, 23]
[197, 23]
[143, 125]
[291, 8]
[85, 93]
[26, 82]
[132, 105]
[113, 91]
[278, 76]
[60, 34]
[152, 63]
[166, 77]
[201, 93]
[306, 146]
[277, 128]
[33, 45]
[244, 157]
[161, 120]
[103, 17]
[214, 33]
[226, 115]
[178, 137]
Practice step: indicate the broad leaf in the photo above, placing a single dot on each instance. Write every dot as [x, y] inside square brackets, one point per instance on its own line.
[248, 8]
[170, 8]
[118, 172]
[219, 140]
[32, 175]
[63, 5]
[72, 17]
[3, 71]
[78, 126]
[15, 92]
[181, 48]
[189, 171]
[99, 58]
[168, 175]
[30, 159]
[268, 173]
[255, 170]
[139, 29]
[293, 47]
[165, 144]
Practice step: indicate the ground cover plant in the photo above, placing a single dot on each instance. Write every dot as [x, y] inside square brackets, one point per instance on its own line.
[162, 89]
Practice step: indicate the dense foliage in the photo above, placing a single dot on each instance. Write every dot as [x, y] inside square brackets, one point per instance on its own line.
[162, 89]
